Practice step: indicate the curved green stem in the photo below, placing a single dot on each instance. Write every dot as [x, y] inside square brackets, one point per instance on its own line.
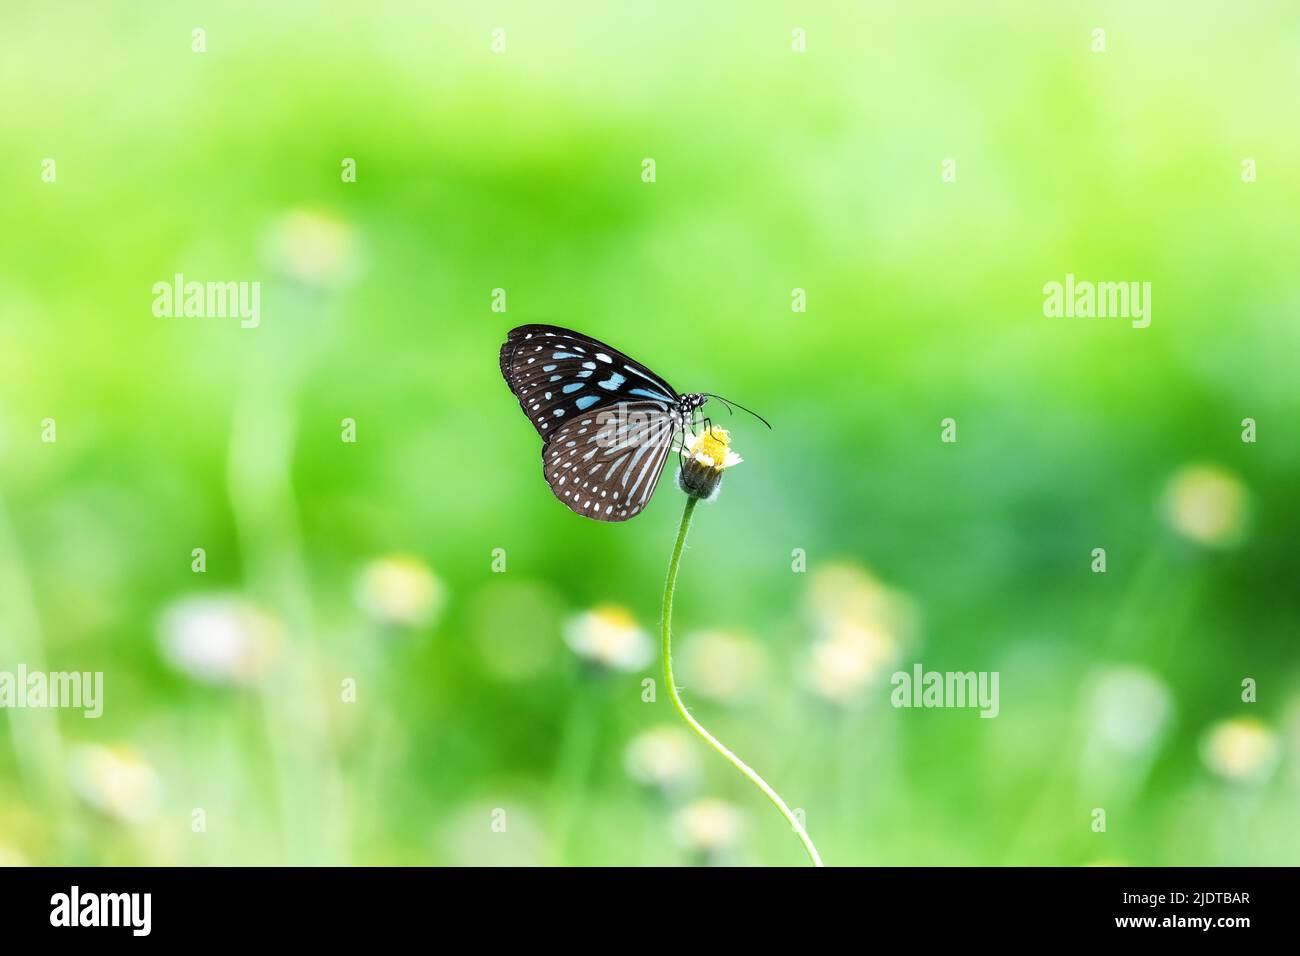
[695, 725]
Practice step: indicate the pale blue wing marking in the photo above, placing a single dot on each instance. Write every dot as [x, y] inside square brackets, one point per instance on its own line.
[658, 396]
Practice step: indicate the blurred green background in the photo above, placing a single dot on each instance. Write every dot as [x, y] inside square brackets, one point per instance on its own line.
[498, 717]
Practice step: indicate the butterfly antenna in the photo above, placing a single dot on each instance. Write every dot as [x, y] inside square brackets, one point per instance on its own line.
[728, 402]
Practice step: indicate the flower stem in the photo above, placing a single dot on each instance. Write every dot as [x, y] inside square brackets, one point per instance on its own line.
[695, 725]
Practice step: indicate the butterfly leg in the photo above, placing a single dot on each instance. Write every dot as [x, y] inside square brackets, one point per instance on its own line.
[699, 418]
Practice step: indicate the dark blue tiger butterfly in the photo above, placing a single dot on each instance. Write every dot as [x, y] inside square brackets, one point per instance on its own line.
[607, 421]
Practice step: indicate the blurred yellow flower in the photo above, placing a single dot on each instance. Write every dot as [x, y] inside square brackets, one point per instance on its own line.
[115, 781]
[709, 826]
[861, 627]
[1207, 504]
[608, 636]
[662, 757]
[219, 639]
[314, 247]
[399, 589]
[723, 665]
[1241, 749]
[848, 660]
[841, 589]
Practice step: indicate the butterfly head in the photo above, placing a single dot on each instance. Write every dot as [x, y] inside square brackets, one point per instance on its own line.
[688, 403]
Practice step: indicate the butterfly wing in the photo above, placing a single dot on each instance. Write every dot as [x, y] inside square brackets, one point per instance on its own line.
[558, 374]
[605, 465]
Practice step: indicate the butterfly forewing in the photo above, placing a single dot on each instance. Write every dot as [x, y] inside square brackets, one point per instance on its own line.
[558, 375]
[605, 464]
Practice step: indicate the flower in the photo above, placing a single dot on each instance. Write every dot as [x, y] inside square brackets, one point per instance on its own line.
[710, 454]
[844, 589]
[1207, 504]
[862, 626]
[314, 247]
[1129, 710]
[609, 637]
[1241, 749]
[709, 827]
[662, 757]
[219, 639]
[399, 589]
[116, 781]
[848, 660]
[496, 832]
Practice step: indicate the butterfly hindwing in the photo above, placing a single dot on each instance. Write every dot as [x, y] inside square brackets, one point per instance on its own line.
[605, 465]
[558, 374]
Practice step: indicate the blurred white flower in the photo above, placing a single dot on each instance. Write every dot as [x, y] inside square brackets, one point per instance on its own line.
[115, 781]
[314, 247]
[484, 834]
[399, 589]
[1125, 714]
[709, 826]
[1207, 504]
[219, 639]
[608, 636]
[861, 625]
[663, 757]
[1241, 749]
[722, 665]
[1128, 710]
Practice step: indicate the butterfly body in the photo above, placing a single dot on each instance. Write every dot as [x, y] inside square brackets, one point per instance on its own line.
[607, 421]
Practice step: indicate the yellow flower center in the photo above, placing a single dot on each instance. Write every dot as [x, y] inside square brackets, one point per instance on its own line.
[614, 616]
[713, 445]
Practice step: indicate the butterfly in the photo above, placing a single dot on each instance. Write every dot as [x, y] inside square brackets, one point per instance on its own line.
[607, 422]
